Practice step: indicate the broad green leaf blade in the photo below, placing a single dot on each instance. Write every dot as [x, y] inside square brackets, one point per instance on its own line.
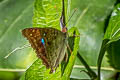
[6, 75]
[14, 16]
[112, 34]
[37, 71]
[47, 13]
[90, 20]
[113, 54]
[113, 30]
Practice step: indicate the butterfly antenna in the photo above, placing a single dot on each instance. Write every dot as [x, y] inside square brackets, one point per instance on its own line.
[62, 19]
[16, 49]
[71, 16]
[63, 12]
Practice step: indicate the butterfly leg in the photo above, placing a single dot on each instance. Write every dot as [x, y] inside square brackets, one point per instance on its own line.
[66, 54]
[52, 70]
[66, 57]
[69, 48]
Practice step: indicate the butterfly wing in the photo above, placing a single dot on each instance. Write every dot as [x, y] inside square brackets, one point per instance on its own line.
[49, 44]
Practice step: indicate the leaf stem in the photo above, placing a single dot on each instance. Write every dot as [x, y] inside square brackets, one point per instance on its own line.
[91, 73]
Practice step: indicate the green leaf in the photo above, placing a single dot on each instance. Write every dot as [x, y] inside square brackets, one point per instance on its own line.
[113, 30]
[47, 13]
[22, 77]
[14, 16]
[8, 75]
[112, 34]
[90, 20]
[37, 71]
[113, 54]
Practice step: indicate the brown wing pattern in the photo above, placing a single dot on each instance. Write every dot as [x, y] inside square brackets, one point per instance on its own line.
[50, 49]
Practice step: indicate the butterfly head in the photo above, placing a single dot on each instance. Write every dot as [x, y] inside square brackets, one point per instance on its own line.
[64, 29]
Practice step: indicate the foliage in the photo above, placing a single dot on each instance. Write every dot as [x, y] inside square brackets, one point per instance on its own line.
[90, 20]
[111, 37]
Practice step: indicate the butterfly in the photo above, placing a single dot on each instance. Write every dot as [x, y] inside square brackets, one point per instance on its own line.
[49, 43]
